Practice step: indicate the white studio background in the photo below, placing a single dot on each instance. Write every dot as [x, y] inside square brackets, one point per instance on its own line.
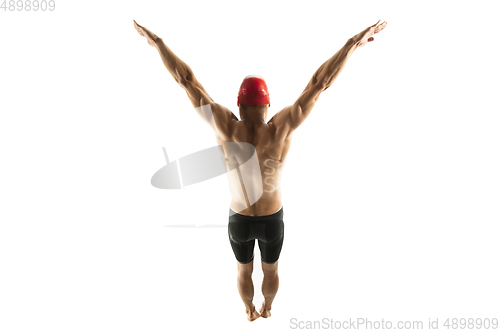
[390, 191]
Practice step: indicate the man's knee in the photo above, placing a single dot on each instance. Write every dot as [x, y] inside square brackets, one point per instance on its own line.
[270, 269]
[245, 269]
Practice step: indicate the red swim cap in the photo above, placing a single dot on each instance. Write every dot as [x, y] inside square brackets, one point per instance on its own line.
[253, 91]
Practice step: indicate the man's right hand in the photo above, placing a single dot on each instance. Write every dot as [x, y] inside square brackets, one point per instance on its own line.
[151, 37]
[366, 35]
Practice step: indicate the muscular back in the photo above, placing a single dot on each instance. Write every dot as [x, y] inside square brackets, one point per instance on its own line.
[271, 148]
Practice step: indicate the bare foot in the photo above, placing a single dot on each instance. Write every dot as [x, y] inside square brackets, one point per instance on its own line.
[265, 313]
[252, 314]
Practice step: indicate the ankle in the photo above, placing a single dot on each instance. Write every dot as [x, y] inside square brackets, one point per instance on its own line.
[249, 309]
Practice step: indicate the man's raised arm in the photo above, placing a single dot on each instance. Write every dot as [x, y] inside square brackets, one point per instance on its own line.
[185, 77]
[294, 115]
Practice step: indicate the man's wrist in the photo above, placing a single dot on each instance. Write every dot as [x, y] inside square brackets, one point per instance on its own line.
[156, 39]
[352, 42]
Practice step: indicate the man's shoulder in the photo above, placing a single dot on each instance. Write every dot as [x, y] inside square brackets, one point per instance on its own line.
[280, 122]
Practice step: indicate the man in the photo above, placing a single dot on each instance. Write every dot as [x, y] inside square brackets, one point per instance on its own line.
[256, 211]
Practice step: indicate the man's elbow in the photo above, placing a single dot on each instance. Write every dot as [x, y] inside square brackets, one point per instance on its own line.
[325, 84]
[319, 84]
[183, 74]
[322, 86]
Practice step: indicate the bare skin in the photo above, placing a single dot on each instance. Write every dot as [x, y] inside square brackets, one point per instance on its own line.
[271, 139]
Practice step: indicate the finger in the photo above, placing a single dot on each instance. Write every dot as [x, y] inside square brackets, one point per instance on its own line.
[375, 23]
[380, 27]
[139, 31]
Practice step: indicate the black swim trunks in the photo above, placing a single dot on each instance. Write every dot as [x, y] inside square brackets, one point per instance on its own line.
[243, 230]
